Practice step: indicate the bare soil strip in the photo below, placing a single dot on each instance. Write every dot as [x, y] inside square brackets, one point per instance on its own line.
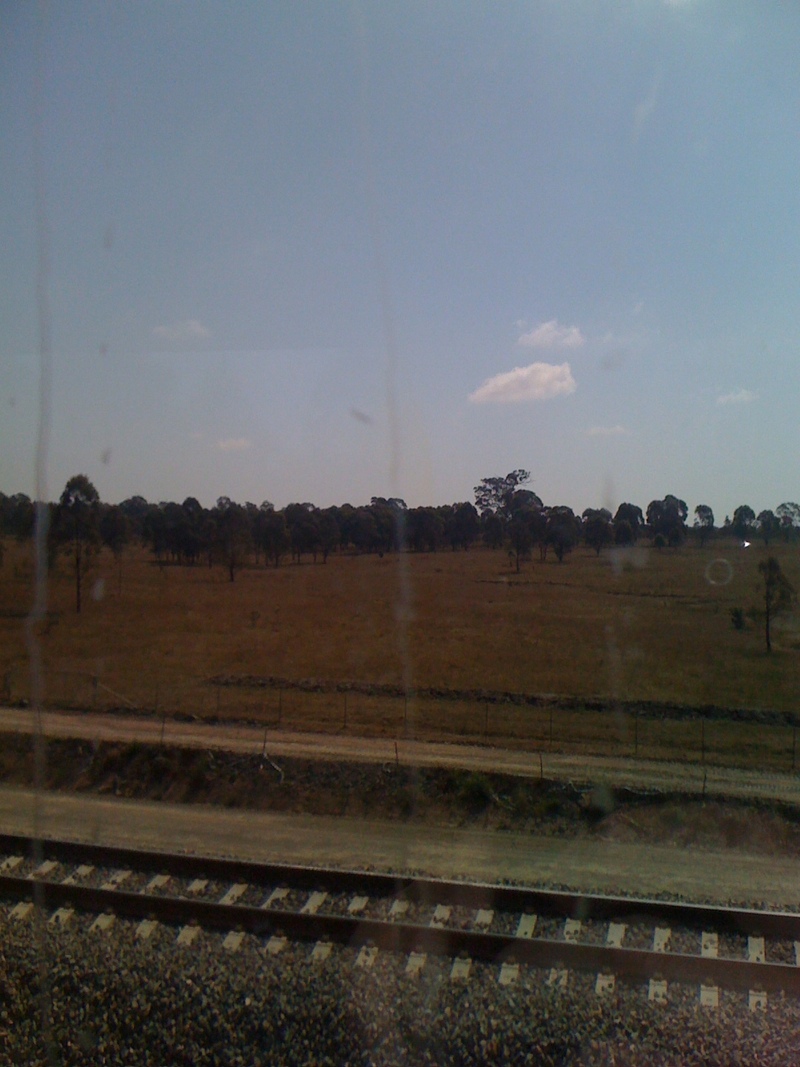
[600, 770]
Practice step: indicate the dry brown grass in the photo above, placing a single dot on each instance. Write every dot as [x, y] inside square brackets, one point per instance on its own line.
[642, 625]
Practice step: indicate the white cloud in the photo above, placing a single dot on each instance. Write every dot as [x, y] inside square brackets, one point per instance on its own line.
[183, 332]
[538, 381]
[552, 335]
[606, 431]
[234, 444]
[740, 396]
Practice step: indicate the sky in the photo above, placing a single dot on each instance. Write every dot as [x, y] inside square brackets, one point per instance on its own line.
[329, 251]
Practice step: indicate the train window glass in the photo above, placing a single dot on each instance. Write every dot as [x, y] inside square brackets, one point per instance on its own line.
[398, 538]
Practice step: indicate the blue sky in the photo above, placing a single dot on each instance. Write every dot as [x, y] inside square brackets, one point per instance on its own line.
[327, 251]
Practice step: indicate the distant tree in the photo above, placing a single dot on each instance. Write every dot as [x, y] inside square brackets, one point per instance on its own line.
[274, 535]
[563, 529]
[462, 526]
[742, 523]
[115, 532]
[519, 533]
[425, 529]
[789, 515]
[668, 517]
[703, 522]
[232, 536]
[302, 521]
[75, 526]
[631, 514]
[498, 494]
[623, 533]
[768, 525]
[328, 532]
[779, 593]
[597, 529]
[493, 531]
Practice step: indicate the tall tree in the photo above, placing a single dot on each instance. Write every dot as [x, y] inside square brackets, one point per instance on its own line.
[703, 522]
[632, 515]
[768, 525]
[597, 529]
[779, 593]
[498, 494]
[75, 526]
[743, 519]
[667, 517]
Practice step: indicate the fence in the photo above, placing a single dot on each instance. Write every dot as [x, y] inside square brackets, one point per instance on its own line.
[544, 727]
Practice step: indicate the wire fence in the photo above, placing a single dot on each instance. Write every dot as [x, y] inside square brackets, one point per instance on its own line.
[548, 727]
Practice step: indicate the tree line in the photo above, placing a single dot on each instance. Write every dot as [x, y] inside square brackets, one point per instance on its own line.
[506, 514]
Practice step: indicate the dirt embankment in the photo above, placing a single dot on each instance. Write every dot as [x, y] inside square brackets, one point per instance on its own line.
[647, 709]
[427, 796]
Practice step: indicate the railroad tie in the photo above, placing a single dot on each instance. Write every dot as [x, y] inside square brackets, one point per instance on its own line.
[45, 868]
[276, 896]
[441, 916]
[187, 936]
[509, 973]
[321, 951]
[144, 931]
[755, 950]
[117, 879]
[757, 1000]
[78, 874]
[616, 935]
[314, 903]
[236, 891]
[21, 910]
[526, 926]
[605, 984]
[103, 923]
[367, 956]
[398, 909]
[199, 885]
[709, 945]
[657, 991]
[416, 961]
[357, 905]
[558, 977]
[661, 938]
[797, 953]
[460, 969]
[158, 881]
[709, 996]
[276, 945]
[483, 918]
[572, 929]
[62, 917]
[233, 940]
[10, 863]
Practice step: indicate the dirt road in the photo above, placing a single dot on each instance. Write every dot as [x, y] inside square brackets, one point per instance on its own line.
[600, 770]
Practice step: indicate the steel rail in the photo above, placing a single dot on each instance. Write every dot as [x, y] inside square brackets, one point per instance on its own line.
[551, 902]
[628, 963]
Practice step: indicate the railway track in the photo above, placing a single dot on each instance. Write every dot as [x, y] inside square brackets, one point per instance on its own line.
[615, 938]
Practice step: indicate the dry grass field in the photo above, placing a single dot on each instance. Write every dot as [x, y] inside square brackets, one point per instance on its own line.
[637, 624]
